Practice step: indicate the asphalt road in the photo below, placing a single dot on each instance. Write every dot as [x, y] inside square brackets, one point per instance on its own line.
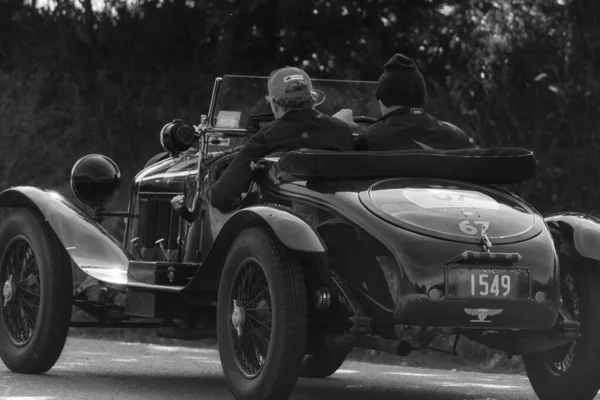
[95, 369]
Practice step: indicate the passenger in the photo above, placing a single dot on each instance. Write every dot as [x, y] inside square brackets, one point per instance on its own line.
[297, 125]
[404, 124]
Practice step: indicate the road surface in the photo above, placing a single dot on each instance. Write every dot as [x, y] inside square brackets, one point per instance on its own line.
[98, 370]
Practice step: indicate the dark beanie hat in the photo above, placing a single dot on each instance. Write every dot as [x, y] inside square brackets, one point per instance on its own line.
[401, 83]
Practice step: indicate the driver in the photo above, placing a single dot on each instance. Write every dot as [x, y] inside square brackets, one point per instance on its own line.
[297, 125]
[404, 124]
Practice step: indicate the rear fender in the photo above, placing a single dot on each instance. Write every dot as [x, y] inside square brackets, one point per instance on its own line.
[291, 230]
[575, 235]
[91, 248]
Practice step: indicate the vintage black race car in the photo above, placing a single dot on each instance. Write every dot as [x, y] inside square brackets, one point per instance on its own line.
[326, 252]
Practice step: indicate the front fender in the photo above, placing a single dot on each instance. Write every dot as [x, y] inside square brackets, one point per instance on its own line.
[575, 235]
[291, 230]
[91, 248]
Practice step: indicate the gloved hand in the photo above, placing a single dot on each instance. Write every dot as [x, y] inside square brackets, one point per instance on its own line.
[178, 202]
[345, 114]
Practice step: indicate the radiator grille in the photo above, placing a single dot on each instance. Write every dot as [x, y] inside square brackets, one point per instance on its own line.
[157, 220]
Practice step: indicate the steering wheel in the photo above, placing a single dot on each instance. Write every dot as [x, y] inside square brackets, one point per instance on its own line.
[364, 119]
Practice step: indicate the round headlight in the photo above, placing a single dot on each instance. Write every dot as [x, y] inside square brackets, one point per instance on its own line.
[177, 137]
[95, 180]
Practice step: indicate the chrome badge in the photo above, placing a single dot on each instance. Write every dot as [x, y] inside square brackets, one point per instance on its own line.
[482, 313]
[485, 242]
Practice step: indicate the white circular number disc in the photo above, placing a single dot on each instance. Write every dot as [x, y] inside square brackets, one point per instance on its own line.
[449, 198]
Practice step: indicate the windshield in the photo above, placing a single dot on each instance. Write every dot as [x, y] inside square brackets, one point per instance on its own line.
[239, 97]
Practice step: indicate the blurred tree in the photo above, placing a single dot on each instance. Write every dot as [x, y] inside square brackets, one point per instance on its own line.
[518, 72]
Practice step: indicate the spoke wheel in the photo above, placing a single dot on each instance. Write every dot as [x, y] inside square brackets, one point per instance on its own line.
[251, 318]
[36, 295]
[561, 359]
[261, 317]
[21, 290]
[571, 371]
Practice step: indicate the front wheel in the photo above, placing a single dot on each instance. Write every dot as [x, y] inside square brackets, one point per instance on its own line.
[37, 291]
[261, 317]
[572, 371]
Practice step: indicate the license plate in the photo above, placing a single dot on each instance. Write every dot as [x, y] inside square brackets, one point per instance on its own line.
[468, 282]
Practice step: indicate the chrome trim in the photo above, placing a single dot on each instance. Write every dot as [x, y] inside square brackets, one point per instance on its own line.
[153, 288]
[212, 129]
[211, 109]
[210, 125]
[161, 193]
[312, 80]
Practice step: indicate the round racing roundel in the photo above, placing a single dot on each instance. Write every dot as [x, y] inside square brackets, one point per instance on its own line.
[431, 198]
[455, 210]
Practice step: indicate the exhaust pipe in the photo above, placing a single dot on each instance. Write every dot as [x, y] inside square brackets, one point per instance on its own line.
[400, 348]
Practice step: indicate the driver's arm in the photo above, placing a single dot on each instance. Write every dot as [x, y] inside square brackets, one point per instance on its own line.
[346, 115]
[237, 177]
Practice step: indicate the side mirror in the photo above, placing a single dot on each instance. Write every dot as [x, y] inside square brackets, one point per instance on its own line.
[95, 180]
[177, 137]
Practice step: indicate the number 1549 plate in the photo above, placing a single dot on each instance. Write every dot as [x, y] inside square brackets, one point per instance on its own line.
[469, 282]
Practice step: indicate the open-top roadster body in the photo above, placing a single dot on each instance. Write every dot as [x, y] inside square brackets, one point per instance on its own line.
[326, 252]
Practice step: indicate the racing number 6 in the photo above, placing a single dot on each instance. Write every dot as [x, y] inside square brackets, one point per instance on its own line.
[466, 227]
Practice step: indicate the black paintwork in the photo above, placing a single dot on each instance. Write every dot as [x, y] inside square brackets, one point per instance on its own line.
[420, 252]
[387, 248]
[390, 263]
[576, 235]
[95, 180]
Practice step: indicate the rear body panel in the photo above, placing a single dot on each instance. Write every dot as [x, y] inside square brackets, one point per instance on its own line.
[392, 262]
[450, 210]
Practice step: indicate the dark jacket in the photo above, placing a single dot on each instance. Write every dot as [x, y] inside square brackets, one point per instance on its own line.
[306, 129]
[403, 128]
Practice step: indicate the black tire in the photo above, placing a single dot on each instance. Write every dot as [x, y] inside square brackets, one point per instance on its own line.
[35, 346]
[281, 302]
[579, 361]
[324, 363]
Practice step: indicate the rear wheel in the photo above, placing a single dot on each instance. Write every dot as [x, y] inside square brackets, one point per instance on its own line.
[36, 298]
[572, 371]
[261, 317]
[324, 363]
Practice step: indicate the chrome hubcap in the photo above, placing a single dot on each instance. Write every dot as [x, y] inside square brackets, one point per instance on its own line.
[8, 290]
[238, 317]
